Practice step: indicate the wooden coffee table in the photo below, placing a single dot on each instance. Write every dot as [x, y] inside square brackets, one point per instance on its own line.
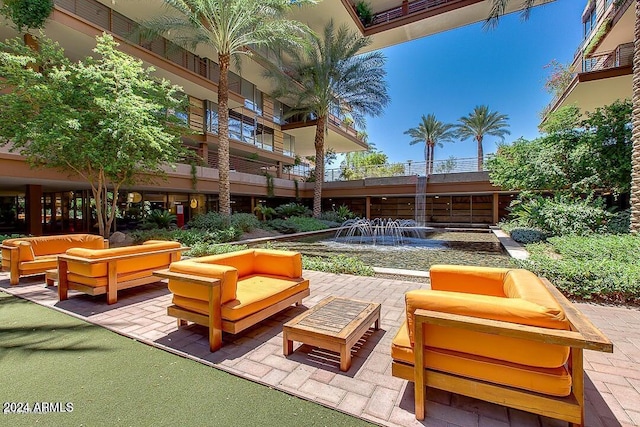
[334, 324]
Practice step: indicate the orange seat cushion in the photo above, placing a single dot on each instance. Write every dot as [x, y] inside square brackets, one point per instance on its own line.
[132, 265]
[59, 244]
[39, 264]
[227, 275]
[254, 293]
[514, 310]
[551, 381]
[468, 279]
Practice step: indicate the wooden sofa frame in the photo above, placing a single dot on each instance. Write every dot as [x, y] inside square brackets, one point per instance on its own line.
[113, 284]
[213, 320]
[583, 335]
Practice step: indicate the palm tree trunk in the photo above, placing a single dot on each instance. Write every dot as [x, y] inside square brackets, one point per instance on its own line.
[635, 153]
[223, 136]
[432, 148]
[317, 187]
[480, 153]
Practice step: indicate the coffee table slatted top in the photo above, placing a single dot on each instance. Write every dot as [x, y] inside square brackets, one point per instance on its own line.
[334, 324]
[335, 316]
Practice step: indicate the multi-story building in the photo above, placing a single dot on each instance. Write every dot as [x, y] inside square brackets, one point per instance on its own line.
[602, 68]
[264, 145]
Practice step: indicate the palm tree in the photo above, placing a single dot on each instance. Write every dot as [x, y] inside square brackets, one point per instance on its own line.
[432, 132]
[497, 10]
[230, 27]
[331, 75]
[635, 151]
[482, 122]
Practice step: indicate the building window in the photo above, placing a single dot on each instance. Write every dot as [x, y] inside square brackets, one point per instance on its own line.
[211, 117]
[590, 22]
[264, 138]
[252, 97]
[288, 145]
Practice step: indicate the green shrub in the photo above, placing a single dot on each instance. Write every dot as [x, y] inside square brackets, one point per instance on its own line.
[245, 222]
[339, 215]
[158, 218]
[203, 249]
[296, 224]
[140, 236]
[10, 236]
[527, 235]
[603, 268]
[191, 237]
[561, 215]
[292, 209]
[210, 221]
[620, 222]
[339, 264]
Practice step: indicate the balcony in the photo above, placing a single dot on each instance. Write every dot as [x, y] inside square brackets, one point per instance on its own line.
[446, 166]
[597, 81]
[413, 8]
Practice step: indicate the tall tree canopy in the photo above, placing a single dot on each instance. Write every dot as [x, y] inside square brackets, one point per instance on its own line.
[370, 163]
[480, 123]
[431, 132]
[332, 75]
[575, 156]
[104, 118]
[230, 27]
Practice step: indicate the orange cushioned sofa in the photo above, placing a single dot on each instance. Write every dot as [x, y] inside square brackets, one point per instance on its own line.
[34, 255]
[496, 334]
[234, 291]
[106, 271]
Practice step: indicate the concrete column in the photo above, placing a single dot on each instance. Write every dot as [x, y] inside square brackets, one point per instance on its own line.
[496, 208]
[33, 209]
[367, 207]
[279, 173]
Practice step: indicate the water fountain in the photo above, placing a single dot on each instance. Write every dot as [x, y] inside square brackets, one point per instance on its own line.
[380, 231]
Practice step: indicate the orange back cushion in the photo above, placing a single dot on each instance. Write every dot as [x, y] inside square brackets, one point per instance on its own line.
[278, 263]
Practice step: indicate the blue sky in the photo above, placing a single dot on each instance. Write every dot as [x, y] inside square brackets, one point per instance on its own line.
[448, 74]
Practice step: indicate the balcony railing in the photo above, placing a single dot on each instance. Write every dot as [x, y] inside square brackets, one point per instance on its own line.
[451, 165]
[110, 20]
[619, 57]
[408, 8]
[256, 167]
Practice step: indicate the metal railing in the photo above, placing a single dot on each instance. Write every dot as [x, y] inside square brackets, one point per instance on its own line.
[621, 56]
[257, 167]
[451, 165]
[110, 20]
[408, 8]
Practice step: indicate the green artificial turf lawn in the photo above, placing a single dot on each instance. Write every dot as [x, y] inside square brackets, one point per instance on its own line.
[47, 356]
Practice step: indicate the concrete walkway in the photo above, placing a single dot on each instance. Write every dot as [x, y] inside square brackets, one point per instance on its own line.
[367, 390]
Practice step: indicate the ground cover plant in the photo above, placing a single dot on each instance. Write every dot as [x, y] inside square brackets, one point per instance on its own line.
[602, 268]
[144, 385]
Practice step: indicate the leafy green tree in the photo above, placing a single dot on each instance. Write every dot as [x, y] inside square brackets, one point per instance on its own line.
[432, 132]
[27, 14]
[331, 74]
[230, 27]
[104, 118]
[447, 166]
[480, 123]
[363, 164]
[575, 156]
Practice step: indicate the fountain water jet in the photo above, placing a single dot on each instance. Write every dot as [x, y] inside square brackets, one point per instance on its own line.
[380, 231]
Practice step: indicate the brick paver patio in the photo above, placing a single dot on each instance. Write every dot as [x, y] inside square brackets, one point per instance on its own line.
[367, 390]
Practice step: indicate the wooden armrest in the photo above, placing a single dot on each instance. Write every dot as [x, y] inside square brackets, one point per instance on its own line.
[579, 322]
[191, 278]
[83, 260]
[10, 248]
[513, 330]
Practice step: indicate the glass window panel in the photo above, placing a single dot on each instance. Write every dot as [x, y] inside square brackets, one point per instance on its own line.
[212, 117]
[234, 82]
